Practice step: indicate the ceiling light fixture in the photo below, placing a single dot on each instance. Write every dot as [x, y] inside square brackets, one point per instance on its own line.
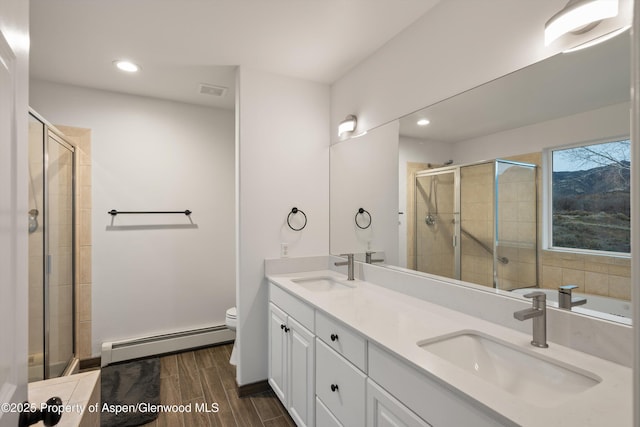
[423, 122]
[347, 126]
[127, 66]
[577, 17]
[598, 40]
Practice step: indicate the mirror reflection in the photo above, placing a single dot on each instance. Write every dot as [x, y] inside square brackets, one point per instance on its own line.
[483, 195]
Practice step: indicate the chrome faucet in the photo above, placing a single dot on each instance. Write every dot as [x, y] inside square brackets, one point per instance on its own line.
[565, 300]
[538, 312]
[368, 258]
[348, 263]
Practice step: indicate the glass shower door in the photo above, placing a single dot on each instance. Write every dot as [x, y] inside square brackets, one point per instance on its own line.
[59, 265]
[36, 249]
[516, 226]
[436, 239]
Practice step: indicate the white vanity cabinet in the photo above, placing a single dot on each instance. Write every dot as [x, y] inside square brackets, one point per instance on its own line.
[431, 401]
[340, 373]
[292, 355]
[384, 410]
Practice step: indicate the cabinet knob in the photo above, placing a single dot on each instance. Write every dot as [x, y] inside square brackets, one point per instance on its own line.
[334, 337]
[49, 415]
[334, 387]
[286, 329]
[282, 326]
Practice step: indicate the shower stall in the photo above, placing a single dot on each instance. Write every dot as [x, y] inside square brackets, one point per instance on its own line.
[51, 219]
[478, 223]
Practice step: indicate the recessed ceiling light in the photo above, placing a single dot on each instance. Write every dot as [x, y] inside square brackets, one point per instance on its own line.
[423, 122]
[127, 66]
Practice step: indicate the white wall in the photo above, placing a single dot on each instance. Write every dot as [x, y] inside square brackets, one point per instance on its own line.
[421, 151]
[364, 174]
[283, 152]
[603, 123]
[154, 273]
[14, 285]
[456, 46]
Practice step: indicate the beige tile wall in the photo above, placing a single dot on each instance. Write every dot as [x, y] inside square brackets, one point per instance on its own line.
[81, 138]
[476, 219]
[435, 253]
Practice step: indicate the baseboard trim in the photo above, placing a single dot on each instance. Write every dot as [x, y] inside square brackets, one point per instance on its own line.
[254, 388]
[91, 363]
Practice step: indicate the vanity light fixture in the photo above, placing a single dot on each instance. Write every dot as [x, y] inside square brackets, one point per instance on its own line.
[598, 40]
[127, 66]
[423, 122]
[577, 17]
[347, 126]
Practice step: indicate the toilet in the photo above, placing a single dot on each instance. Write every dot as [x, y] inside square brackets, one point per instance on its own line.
[231, 321]
[230, 318]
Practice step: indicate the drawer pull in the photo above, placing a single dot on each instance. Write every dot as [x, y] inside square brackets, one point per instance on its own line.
[334, 387]
[334, 337]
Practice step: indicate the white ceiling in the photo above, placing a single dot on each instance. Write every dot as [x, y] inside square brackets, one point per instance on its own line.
[182, 43]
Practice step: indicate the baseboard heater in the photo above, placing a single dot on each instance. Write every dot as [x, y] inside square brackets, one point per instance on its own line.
[119, 351]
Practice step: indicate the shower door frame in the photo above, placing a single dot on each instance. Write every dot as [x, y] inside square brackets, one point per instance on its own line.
[456, 213]
[51, 134]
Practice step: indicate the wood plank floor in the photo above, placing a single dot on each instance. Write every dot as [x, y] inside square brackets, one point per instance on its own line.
[206, 377]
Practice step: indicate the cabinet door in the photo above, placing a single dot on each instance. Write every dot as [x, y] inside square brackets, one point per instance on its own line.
[278, 352]
[301, 374]
[383, 410]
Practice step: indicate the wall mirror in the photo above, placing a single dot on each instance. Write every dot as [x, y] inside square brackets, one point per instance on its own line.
[463, 197]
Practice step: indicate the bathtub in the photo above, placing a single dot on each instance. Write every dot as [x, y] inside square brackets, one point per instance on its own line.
[604, 307]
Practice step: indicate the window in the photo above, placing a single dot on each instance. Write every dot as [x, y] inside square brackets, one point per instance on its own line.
[590, 198]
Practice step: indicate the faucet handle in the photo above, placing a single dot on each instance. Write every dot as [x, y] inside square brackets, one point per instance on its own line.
[566, 288]
[537, 295]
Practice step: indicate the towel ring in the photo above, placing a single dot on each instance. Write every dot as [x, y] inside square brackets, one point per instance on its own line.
[360, 212]
[293, 212]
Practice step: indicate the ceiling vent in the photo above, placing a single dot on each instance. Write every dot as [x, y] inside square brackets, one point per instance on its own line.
[213, 90]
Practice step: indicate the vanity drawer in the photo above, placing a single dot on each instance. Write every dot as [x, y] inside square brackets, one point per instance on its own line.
[342, 339]
[324, 417]
[294, 307]
[340, 386]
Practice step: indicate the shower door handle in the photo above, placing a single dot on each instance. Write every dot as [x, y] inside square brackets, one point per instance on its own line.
[455, 241]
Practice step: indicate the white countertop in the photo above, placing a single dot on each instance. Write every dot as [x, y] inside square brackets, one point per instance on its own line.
[397, 322]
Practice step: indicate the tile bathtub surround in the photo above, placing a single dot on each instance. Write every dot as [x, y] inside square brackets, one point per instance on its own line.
[594, 274]
[602, 275]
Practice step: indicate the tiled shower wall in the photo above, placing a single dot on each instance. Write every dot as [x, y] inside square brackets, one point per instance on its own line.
[593, 274]
[81, 138]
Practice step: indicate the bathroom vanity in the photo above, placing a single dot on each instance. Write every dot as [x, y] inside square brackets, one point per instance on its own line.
[352, 353]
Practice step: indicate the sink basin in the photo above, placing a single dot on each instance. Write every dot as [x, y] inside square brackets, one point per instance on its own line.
[323, 283]
[534, 378]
